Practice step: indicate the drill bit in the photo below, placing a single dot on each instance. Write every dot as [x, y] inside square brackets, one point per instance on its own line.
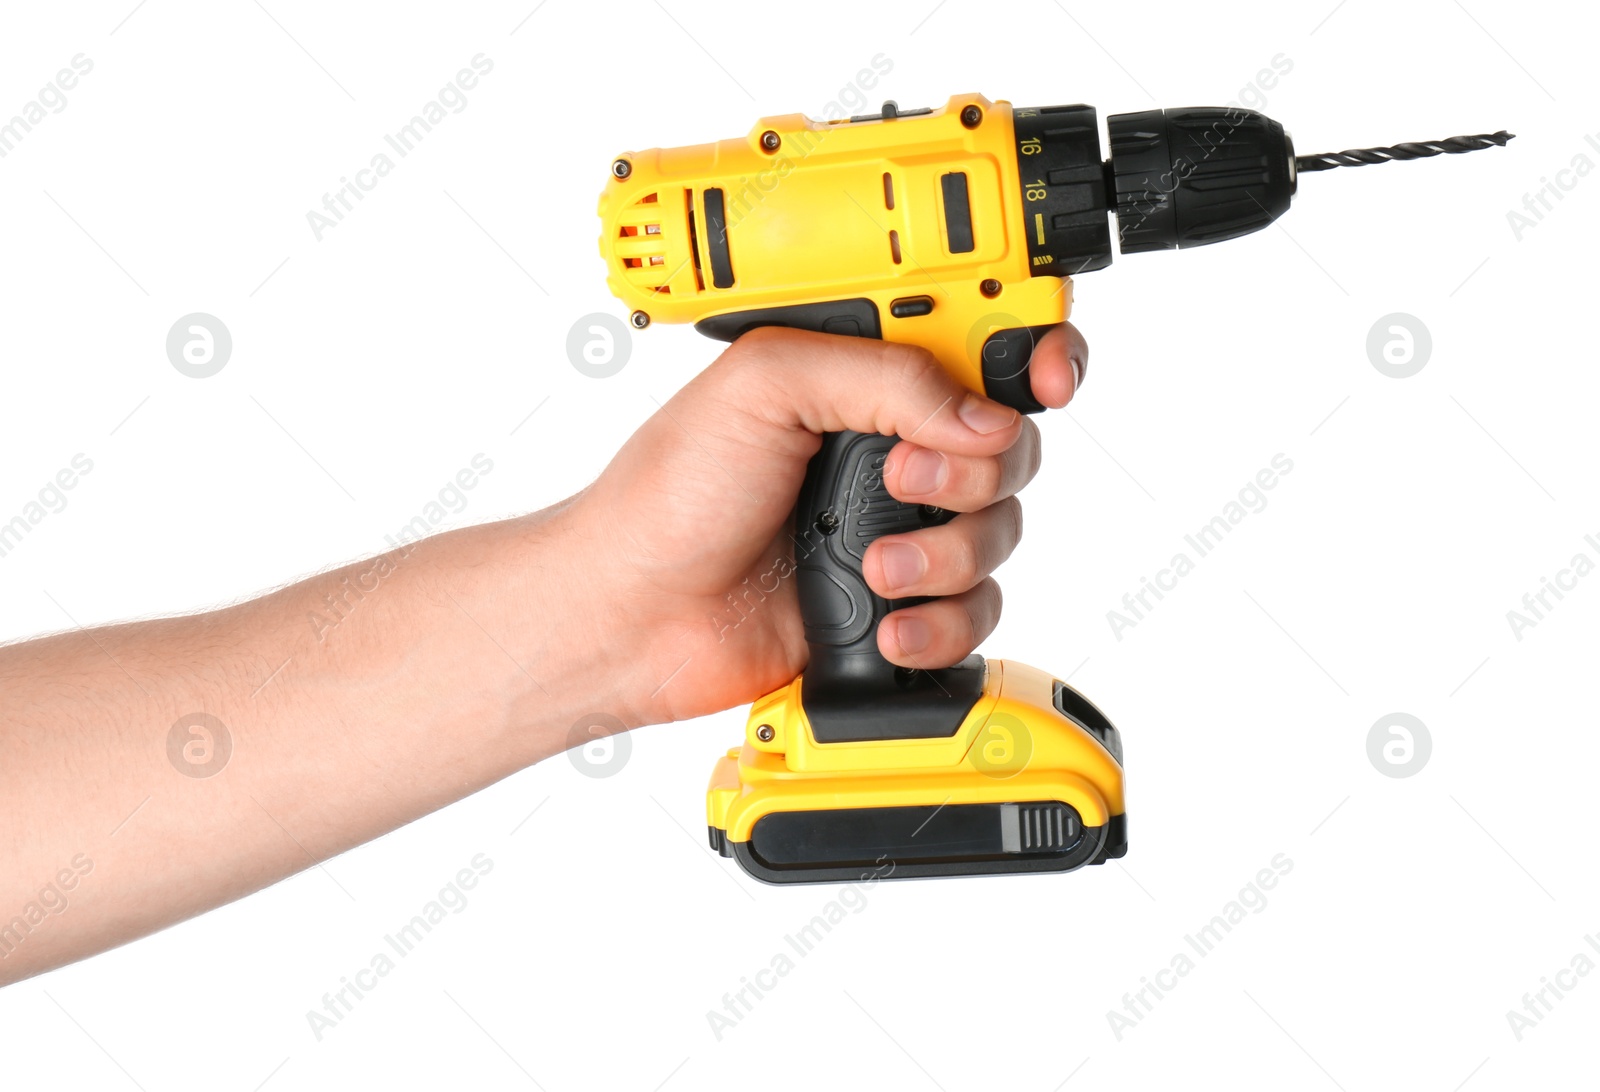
[1360, 157]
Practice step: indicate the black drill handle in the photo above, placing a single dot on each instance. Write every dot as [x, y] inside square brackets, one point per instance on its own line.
[849, 690]
[844, 507]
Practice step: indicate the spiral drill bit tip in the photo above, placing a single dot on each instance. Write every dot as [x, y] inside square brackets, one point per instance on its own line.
[1360, 157]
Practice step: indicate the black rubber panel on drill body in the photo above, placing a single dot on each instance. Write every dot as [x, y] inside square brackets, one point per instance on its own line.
[917, 833]
[1199, 175]
[957, 212]
[1006, 355]
[717, 239]
[852, 318]
[1099, 845]
[918, 842]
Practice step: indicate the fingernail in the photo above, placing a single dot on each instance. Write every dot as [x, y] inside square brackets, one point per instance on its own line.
[923, 472]
[912, 634]
[903, 564]
[981, 415]
[1077, 373]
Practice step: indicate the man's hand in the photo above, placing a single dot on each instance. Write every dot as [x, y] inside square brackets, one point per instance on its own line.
[685, 537]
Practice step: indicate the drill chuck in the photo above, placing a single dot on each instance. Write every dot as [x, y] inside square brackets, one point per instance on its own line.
[1174, 178]
[1200, 175]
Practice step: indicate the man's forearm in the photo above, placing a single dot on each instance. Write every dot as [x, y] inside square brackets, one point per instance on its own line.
[153, 770]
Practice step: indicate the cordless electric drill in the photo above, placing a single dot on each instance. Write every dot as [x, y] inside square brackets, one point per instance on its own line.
[955, 228]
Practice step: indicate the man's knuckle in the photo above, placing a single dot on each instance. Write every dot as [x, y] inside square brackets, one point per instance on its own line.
[1011, 511]
[974, 626]
[915, 366]
[1035, 451]
[966, 562]
[992, 602]
[987, 479]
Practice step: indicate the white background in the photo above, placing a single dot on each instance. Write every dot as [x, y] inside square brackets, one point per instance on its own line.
[428, 325]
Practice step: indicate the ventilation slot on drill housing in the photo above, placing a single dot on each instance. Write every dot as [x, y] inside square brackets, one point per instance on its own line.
[888, 203]
[641, 246]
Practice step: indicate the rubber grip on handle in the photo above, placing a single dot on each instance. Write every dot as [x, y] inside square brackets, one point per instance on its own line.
[844, 507]
[849, 691]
